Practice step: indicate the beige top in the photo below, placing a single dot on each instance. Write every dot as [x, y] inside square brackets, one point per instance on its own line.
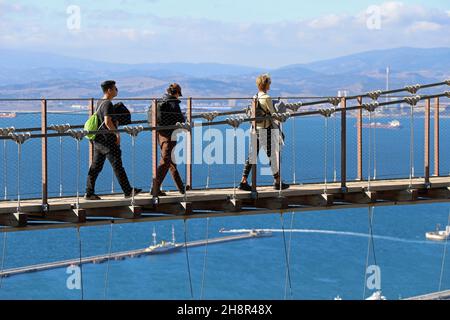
[266, 104]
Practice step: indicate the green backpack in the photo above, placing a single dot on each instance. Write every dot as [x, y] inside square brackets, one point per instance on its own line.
[91, 125]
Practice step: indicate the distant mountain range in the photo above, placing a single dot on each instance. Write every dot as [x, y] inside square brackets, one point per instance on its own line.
[33, 75]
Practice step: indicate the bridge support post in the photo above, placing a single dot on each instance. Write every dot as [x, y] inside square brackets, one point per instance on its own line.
[344, 144]
[189, 146]
[91, 143]
[254, 149]
[154, 147]
[359, 120]
[44, 150]
[436, 138]
[426, 151]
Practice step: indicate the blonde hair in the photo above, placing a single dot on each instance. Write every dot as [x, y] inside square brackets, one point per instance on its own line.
[263, 81]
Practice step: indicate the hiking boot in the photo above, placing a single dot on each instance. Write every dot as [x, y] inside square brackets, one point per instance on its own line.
[160, 194]
[245, 186]
[283, 186]
[182, 189]
[136, 192]
[92, 196]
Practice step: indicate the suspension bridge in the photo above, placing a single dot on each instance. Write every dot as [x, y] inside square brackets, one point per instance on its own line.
[20, 213]
[344, 190]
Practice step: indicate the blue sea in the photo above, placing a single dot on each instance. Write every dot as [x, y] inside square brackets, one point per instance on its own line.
[327, 249]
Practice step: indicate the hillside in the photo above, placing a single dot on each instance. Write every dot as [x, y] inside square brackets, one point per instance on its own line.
[33, 75]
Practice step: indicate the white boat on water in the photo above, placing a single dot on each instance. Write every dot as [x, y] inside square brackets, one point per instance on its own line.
[252, 232]
[394, 124]
[438, 235]
[260, 233]
[163, 246]
[8, 114]
[376, 296]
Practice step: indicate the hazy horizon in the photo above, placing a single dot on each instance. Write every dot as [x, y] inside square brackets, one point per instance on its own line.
[305, 63]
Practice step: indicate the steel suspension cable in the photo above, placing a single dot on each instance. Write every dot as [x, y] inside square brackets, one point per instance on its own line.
[234, 162]
[60, 129]
[205, 259]
[326, 155]
[78, 136]
[187, 260]
[78, 174]
[5, 237]
[411, 148]
[5, 132]
[279, 156]
[112, 180]
[287, 278]
[375, 146]
[107, 262]
[370, 244]
[441, 277]
[372, 214]
[80, 263]
[133, 159]
[369, 160]
[5, 169]
[334, 148]
[60, 166]
[209, 162]
[186, 178]
[288, 272]
[19, 162]
[293, 151]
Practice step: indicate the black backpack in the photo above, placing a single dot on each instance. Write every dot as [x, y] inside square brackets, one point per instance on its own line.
[260, 112]
[160, 107]
[164, 115]
[122, 114]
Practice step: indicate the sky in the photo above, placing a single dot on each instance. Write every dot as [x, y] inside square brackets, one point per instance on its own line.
[264, 33]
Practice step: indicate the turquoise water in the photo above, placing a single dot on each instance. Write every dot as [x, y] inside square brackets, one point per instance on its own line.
[322, 265]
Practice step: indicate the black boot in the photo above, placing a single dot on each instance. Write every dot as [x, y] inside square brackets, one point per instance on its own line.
[245, 186]
[282, 186]
[156, 192]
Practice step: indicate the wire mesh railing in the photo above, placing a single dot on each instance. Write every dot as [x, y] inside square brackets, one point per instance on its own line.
[321, 145]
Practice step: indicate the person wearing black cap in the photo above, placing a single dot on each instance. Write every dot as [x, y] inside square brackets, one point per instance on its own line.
[168, 114]
[107, 145]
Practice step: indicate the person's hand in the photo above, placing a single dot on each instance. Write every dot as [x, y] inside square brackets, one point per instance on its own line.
[118, 139]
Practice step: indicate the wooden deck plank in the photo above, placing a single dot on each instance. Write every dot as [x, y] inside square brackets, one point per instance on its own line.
[218, 201]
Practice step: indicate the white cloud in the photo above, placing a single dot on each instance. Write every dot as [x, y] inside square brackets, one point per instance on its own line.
[13, 8]
[424, 26]
[148, 38]
[328, 21]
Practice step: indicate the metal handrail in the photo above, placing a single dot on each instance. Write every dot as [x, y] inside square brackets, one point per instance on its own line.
[222, 122]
